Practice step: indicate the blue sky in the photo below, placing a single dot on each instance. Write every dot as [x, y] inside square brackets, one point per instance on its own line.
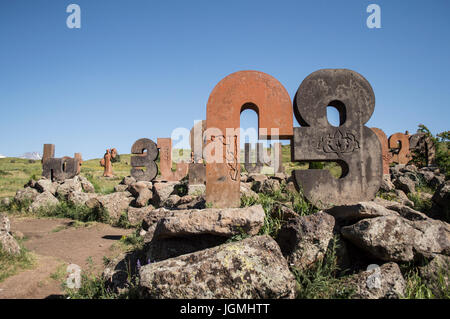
[143, 68]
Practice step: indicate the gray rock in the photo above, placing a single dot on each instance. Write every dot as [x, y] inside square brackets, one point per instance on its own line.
[251, 268]
[393, 238]
[44, 185]
[246, 190]
[152, 217]
[436, 274]
[345, 214]
[172, 201]
[27, 194]
[402, 198]
[405, 184]
[86, 185]
[386, 183]
[7, 241]
[43, 200]
[280, 177]
[137, 215]
[441, 200]
[270, 186]
[213, 221]
[382, 282]
[80, 198]
[5, 201]
[255, 177]
[115, 204]
[68, 186]
[161, 192]
[120, 188]
[128, 180]
[197, 190]
[304, 240]
[403, 210]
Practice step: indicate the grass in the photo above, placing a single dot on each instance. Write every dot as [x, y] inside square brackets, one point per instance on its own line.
[13, 264]
[420, 288]
[320, 281]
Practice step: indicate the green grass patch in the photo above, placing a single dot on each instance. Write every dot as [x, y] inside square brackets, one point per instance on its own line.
[13, 264]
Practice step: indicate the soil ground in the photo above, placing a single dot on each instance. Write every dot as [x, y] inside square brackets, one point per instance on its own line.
[56, 245]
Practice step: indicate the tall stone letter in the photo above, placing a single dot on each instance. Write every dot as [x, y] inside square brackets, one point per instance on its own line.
[399, 143]
[352, 145]
[233, 94]
[385, 154]
[146, 160]
[165, 161]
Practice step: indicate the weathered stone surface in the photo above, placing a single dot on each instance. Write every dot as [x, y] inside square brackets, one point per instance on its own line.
[251, 268]
[128, 180]
[197, 142]
[197, 173]
[213, 221]
[304, 240]
[120, 188]
[196, 190]
[283, 212]
[246, 190]
[165, 162]
[354, 146]
[152, 217]
[114, 203]
[118, 270]
[43, 185]
[86, 185]
[385, 154]
[137, 215]
[399, 142]
[26, 194]
[45, 199]
[5, 202]
[422, 144]
[172, 201]
[403, 210]
[60, 169]
[441, 201]
[192, 202]
[436, 273]
[386, 184]
[256, 178]
[233, 94]
[48, 152]
[393, 238]
[7, 241]
[405, 184]
[258, 162]
[142, 193]
[80, 198]
[346, 214]
[270, 186]
[69, 186]
[161, 192]
[381, 282]
[158, 249]
[402, 198]
[142, 159]
[280, 177]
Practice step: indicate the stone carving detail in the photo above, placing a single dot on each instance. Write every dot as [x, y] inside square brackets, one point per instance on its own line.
[142, 160]
[385, 154]
[353, 146]
[165, 162]
[254, 168]
[233, 94]
[338, 143]
[400, 155]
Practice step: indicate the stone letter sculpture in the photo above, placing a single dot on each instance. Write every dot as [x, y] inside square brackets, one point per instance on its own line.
[400, 154]
[233, 94]
[142, 159]
[60, 169]
[423, 144]
[352, 145]
[49, 152]
[257, 167]
[197, 170]
[385, 154]
[165, 161]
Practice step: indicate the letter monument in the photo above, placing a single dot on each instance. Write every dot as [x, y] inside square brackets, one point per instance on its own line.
[237, 92]
[352, 145]
[399, 143]
[144, 160]
[197, 170]
[165, 161]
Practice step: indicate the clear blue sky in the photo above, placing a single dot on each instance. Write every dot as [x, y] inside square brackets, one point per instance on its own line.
[142, 68]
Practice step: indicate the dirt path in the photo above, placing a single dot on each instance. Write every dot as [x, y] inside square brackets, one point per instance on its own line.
[56, 245]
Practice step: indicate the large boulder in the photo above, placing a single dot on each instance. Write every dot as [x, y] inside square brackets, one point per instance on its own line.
[252, 268]
[86, 185]
[270, 185]
[405, 184]
[394, 238]
[386, 183]
[27, 194]
[378, 282]
[43, 200]
[402, 210]
[246, 190]
[441, 201]
[161, 192]
[213, 221]
[137, 215]
[115, 203]
[142, 192]
[44, 185]
[69, 186]
[80, 198]
[345, 214]
[436, 274]
[305, 240]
